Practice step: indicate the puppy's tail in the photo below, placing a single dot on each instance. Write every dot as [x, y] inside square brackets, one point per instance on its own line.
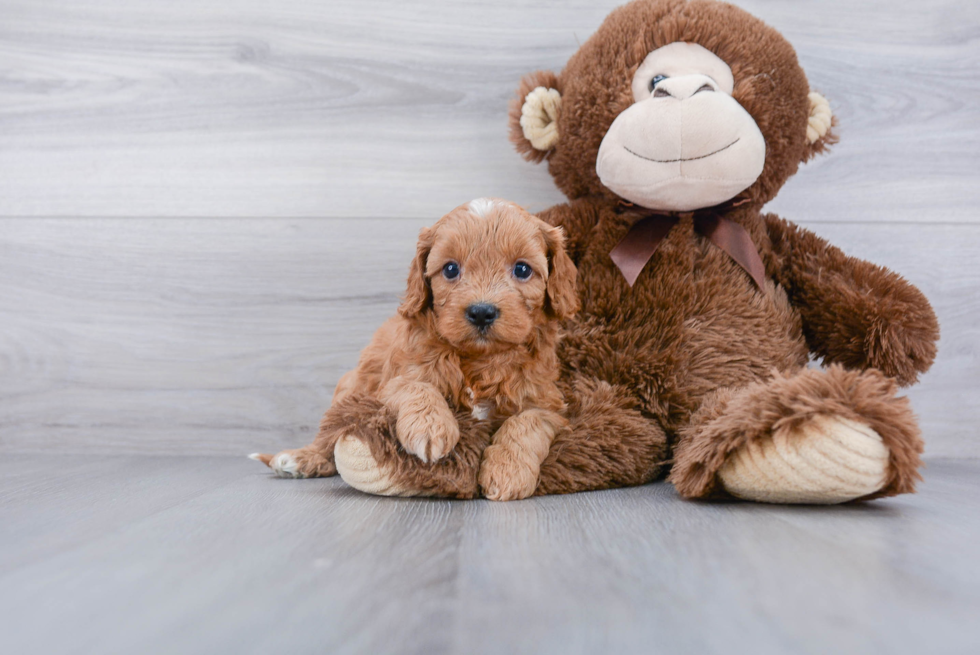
[262, 457]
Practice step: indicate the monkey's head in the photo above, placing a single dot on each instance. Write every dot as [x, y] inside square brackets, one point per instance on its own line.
[674, 105]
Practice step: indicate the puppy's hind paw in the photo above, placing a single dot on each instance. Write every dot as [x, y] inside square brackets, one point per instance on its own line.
[284, 465]
[308, 462]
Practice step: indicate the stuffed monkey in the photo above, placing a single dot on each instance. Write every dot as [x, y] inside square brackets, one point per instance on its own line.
[668, 131]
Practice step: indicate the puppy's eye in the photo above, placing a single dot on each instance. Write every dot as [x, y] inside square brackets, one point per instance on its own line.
[522, 270]
[450, 271]
[657, 79]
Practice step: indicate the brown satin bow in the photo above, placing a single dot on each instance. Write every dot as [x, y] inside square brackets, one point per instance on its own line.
[637, 247]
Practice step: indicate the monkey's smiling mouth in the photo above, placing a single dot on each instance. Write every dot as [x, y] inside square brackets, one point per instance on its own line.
[671, 161]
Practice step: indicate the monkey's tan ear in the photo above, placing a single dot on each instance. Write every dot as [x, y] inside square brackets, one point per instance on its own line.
[418, 294]
[534, 115]
[819, 126]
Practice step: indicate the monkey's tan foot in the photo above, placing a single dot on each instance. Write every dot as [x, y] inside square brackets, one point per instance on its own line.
[300, 463]
[505, 475]
[812, 436]
[826, 460]
[358, 468]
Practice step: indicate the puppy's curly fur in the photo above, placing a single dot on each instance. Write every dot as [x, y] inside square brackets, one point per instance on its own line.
[476, 333]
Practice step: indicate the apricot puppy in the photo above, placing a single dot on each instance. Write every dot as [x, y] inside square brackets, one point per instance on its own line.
[476, 331]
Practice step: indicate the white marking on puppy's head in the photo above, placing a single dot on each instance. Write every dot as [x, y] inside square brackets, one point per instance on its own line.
[481, 206]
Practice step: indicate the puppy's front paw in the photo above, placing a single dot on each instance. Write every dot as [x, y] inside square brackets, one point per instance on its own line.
[505, 476]
[428, 434]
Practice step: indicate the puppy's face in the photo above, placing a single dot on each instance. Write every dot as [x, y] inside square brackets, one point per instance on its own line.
[490, 273]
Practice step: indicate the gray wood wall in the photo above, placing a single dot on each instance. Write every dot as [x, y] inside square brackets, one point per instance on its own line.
[207, 207]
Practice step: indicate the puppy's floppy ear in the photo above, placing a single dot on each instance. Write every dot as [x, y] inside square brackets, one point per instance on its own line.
[561, 300]
[820, 125]
[534, 115]
[418, 295]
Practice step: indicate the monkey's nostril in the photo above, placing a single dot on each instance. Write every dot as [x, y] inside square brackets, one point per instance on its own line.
[482, 315]
[661, 92]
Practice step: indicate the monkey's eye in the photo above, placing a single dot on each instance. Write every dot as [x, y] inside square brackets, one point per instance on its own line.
[522, 270]
[657, 79]
[450, 271]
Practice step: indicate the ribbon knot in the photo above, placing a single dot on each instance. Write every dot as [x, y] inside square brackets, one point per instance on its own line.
[633, 252]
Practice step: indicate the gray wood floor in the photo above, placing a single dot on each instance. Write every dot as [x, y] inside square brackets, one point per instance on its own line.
[139, 554]
[205, 209]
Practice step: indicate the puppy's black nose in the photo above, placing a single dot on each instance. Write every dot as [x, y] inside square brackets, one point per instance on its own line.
[482, 314]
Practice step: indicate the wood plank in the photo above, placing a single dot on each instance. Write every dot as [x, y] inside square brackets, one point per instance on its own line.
[251, 566]
[184, 328]
[86, 497]
[635, 571]
[257, 565]
[347, 108]
[227, 336]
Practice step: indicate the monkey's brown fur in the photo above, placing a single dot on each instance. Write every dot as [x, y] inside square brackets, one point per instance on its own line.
[694, 360]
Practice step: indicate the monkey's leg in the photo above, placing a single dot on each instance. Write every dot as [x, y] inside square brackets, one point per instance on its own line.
[811, 437]
[607, 443]
[370, 458]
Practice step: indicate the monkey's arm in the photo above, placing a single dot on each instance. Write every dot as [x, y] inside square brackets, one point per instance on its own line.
[577, 219]
[854, 313]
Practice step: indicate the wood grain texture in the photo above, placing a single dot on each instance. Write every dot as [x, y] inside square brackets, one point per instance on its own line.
[387, 108]
[227, 336]
[242, 562]
[183, 333]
